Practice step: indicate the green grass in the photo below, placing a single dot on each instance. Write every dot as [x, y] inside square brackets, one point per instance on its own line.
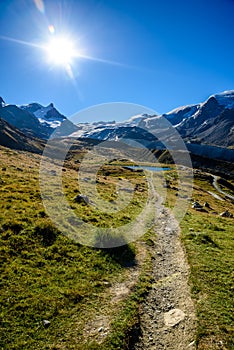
[46, 276]
[209, 242]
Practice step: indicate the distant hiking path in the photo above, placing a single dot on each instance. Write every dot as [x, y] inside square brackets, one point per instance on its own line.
[216, 186]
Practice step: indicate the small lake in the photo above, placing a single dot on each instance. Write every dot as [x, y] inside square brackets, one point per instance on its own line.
[145, 167]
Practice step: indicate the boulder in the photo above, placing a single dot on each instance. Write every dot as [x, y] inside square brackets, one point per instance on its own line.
[173, 317]
[226, 214]
[197, 206]
[81, 198]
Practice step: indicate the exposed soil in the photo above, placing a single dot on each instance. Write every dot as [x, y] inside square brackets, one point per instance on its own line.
[99, 326]
[167, 316]
[216, 186]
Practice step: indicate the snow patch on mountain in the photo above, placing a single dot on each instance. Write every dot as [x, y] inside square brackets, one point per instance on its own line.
[47, 116]
[107, 130]
[225, 99]
[209, 122]
[136, 119]
[186, 110]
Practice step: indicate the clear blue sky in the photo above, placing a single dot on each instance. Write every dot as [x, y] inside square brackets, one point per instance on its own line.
[171, 53]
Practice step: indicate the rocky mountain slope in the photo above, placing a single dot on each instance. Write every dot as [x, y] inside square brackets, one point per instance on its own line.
[36, 120]
[202, 126]
[12, 137]
[212, 123]
[209, 123]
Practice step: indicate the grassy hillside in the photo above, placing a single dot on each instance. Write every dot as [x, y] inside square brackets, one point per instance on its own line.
[209, 242]
[46, 276]
[91, 296]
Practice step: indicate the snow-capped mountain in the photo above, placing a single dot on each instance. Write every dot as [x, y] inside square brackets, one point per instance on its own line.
[210, 123]
[207, 123]
[36, 120]
[178, 115]
[23, 120]
[2, 102]
[225, 99]
[110, 130]
[48, 116]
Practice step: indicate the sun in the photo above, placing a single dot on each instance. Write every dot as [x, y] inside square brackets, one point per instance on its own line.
[60, 51]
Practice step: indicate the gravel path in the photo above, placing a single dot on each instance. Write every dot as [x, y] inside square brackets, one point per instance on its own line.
[216, 186]
[167, 316]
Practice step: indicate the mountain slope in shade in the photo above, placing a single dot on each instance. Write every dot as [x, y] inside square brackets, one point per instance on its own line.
[176, 116]
[210, 122]
[24, 120]
[11, 137]
[36, 120]
[49, 117]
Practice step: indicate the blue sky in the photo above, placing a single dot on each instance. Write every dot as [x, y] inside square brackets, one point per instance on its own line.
[164, 53]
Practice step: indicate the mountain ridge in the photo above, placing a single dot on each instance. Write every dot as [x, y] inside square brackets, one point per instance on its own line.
[208, 123]
[35, 120]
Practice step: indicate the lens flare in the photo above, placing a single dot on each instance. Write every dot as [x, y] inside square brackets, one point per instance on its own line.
[51, 29]
[40, 5]
[60, 51]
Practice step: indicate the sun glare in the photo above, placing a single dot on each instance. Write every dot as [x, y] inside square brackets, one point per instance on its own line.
[60, 51]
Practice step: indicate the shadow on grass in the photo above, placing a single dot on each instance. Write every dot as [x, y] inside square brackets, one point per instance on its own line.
[203, 239]
[46, 232]
[116, 247]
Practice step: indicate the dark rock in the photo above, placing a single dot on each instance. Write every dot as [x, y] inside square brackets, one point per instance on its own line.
[166, 185]
[46, 323]
[81, 198]
[197, 206]
[226, 214]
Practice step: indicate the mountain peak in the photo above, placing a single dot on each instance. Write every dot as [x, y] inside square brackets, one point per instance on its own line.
[48, 116]
[225, 98]
[2, 102]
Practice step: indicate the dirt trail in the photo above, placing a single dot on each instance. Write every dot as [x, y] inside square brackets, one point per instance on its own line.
[170, 294]
[216, 186]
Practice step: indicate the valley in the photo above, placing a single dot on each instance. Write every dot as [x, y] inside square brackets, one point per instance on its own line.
[105, 245]
[58, 294]
[116, 175]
